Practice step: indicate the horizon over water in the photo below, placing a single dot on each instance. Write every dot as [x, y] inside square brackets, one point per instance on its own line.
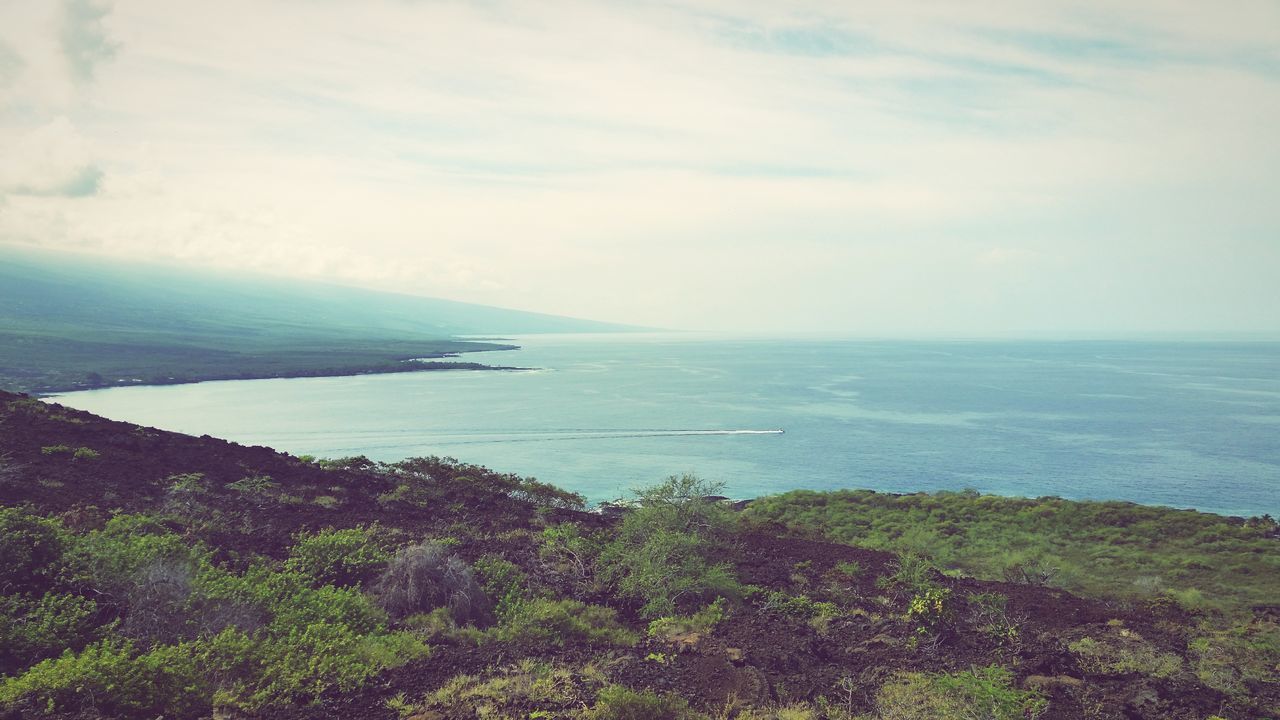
[1179, 423]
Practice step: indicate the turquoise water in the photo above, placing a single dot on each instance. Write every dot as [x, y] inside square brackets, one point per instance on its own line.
[1179, 424]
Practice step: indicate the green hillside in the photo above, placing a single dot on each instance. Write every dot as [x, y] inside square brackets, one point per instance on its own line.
[72, 321]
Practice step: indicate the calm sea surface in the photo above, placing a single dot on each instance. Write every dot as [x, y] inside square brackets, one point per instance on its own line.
[1179, 424]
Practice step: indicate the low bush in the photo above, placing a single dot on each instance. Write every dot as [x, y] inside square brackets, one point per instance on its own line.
[337, 557]
[185, 492]
[545, 622]
[687, 631]
[1123, 652]
[422, 577]
[913, 574]
[661, 555]
[986, 693]
[504, 583]
[31, 550]
[306, 662]
[930, 610]
[114, 564]
[509, 693]
[802, 607]
[616, 702]
[32, 630]
[847, 570]
[115, 679]
[566, 547]
[989, 613]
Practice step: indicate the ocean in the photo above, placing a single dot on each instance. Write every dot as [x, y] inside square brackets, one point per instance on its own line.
[1182, 424]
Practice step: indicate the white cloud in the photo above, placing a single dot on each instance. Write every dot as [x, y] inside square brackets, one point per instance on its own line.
[53, 159]
[712, 162]
[83, 38]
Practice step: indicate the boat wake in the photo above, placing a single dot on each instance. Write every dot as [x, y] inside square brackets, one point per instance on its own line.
[411, 438]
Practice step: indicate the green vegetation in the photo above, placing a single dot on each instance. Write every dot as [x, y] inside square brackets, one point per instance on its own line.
[525, 684]
[80, 453]
[662, 553]
[986, 693]
[181, 632]
[337, 557]
[1124, 652]
[188, 578]
[1094, 548]
[620, 703]
[687, 631]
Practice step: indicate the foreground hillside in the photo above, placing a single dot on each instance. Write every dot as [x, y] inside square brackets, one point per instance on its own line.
[147, 574]
[72, 322]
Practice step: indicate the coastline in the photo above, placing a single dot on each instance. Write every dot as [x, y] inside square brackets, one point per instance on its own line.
[286, 375]
[336, 361]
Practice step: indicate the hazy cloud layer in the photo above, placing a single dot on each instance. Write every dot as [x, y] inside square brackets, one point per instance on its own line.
[903, 168]
[84, 40]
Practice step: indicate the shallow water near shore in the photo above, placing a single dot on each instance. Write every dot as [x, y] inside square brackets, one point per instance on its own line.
[1184, 424]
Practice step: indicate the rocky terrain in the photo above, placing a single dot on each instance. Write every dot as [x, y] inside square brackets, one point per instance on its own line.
[148, 574]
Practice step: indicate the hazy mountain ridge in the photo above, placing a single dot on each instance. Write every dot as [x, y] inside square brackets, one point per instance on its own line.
[67, 319]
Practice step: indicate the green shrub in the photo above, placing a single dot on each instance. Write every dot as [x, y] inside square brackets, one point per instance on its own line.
[1122, 653]
[986, 693]
[306, 606]
[930, 610]
[545, 622]
[79, 453]
[259, 490]
[429, 479]
[848, 570]
[312, 659]
[511, 691]
[546, 495]
[989, 613]
[688, 630]
[113, 562]
[31, 550]
[185, 491]
[566, 546]
[504, 582]
[620, 703]
[661, 555]
[116, 679]
[798, 606]
[32, 630]
[912, 572]
[337, 557]
[1231, 659]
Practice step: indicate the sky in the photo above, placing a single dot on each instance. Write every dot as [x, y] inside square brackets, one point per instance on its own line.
[906, 168]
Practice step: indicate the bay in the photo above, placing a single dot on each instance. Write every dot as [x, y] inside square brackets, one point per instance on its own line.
[1182, 424]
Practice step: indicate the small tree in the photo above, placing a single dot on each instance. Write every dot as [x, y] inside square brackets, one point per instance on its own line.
[662, 554]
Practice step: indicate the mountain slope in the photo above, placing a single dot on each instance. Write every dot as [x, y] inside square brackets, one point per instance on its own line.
[67, 319]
